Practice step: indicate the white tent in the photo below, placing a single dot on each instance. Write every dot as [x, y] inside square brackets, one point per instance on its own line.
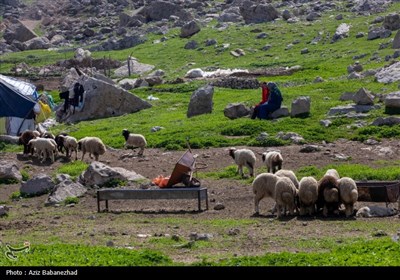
[16, 95]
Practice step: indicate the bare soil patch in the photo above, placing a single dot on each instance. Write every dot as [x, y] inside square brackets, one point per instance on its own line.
[234, 230]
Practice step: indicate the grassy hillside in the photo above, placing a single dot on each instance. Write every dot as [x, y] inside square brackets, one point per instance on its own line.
[324, 59]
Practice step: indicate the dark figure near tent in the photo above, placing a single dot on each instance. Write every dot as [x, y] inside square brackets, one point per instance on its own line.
[274, 102]
[73, 99]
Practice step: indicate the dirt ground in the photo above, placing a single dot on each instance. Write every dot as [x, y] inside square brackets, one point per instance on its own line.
[129, 222]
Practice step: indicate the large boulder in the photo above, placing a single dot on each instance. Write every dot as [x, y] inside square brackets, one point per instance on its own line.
[201, 101]
[64, 189]
[301, 106]
[102, 100]
[258, 13]
[236, 110]
[9, 170]
[38, 185]
[100, 174]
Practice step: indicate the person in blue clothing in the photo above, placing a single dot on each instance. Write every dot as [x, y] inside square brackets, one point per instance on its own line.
[274, 101]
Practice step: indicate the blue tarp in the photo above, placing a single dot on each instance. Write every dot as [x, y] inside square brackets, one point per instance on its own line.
[17, 98]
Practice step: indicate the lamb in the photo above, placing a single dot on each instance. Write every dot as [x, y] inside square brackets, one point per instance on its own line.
[348, 194]
[289, 174]
[134, 141]
[375, 211]
[243, 157]
[263, 186]
[25, 137]
[273, 160]
[285, 196]
[328, 195]
[44, 147]
[308, 195]
[91, 145]
[70, 144]
[60, 141]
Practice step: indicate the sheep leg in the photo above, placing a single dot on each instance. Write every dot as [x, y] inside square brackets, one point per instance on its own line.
[279, 213]
[51, 155]
[76, 154]
[83, 154]
[96, 157]
[325, 211]
[141, 151]
[256, 204]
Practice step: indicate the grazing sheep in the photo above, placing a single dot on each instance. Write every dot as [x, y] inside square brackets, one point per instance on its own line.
[60, 141]
[375, 211]
[134, 141]
[308, 195]
[273, 160]
[348, 194]
[243, 157]
[70, 144]
[45, 147]
[91, 145]
[47, 134]
[285, 196]
[328, 195]
[25, 137]
[289, 174]
[263, 186]
[333, 173]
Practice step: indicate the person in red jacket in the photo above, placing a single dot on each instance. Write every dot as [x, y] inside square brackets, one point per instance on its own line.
[264, 98]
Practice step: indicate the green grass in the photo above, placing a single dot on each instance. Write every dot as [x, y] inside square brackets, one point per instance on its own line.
[81, 255]
[325, 60]
[74, 169]
[380, 252]
[355, 171]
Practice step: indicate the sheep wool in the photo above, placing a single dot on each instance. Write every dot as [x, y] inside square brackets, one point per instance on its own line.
[348, 194]
[328, 195]
[45, 147]
[285, 196]
[289, 174]
[134, 141]
[243, 157]
[273, 160]
[263, 186]
[308, 195]
[91, 145]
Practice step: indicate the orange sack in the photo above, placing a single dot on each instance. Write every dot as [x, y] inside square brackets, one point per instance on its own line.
[160, 181]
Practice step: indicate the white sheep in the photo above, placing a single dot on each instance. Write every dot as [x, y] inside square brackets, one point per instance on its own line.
[91, 145]
[45, 147]
[285, 196]
[308, 195]
[134, 141]
[348, 194]
[375, 211]
[289, 174]
[332, 172]
[273, 160]
[243, 157]
[263, 186]
[70, 144]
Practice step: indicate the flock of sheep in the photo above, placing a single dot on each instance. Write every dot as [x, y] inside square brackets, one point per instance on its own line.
[46, 145]
[306, 197]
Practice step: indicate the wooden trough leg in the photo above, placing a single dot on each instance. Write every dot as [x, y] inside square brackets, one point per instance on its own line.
[107, 205]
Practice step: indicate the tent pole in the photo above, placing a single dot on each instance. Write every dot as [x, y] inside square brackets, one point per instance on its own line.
[23, 121]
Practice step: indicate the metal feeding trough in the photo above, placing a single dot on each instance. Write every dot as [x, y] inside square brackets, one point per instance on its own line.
[379, 191]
